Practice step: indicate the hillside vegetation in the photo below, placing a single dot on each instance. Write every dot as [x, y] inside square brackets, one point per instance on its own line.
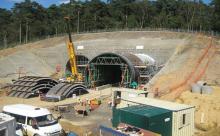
[28, 20]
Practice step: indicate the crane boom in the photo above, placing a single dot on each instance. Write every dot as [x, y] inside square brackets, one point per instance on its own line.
[72, 58]
[72, 55]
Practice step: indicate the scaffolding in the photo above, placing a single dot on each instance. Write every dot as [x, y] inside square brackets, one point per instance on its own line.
[146, 73]
[125, 78]
[99, 74]
[82, 64]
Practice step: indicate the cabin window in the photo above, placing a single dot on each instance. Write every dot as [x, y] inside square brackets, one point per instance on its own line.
[30, 121]
[184, 120]
[18, 118]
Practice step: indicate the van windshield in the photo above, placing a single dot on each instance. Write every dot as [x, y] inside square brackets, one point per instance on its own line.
[45, 120]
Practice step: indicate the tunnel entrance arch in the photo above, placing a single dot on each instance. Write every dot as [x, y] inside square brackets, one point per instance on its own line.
[110, 68]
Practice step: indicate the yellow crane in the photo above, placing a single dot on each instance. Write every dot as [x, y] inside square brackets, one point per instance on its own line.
[75, 75]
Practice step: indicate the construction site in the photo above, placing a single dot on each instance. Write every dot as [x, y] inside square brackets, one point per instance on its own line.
[177, 72]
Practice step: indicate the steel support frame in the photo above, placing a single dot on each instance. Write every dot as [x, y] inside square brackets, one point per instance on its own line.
[108, 61]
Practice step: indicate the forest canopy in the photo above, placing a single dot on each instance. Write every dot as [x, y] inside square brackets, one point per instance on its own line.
[29, 20]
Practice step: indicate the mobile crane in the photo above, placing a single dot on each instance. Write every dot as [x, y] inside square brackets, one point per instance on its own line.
[75, 77]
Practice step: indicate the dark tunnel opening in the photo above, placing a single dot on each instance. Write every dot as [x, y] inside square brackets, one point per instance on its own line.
[109, 74]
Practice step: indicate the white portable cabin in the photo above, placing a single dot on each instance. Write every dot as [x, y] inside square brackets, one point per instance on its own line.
[182, 115]
[126, 92]
[7, 125]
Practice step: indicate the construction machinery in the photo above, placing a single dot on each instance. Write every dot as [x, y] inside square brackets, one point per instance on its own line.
[75, 76]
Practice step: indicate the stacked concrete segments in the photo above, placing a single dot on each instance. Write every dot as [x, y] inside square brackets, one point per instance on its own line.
[29, 86]
[206, 90]
[196, 88]
[201, 87]
[65, 90]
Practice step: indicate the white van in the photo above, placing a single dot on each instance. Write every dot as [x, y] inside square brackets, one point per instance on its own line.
[35, 121]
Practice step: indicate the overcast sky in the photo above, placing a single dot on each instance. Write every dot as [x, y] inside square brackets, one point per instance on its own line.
[46, 3]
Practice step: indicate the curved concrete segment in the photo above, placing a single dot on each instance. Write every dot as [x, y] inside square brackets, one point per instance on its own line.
[30, 86]
[65, 90]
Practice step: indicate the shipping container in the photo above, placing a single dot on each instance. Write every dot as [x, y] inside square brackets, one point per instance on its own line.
[182, 115]
[150, 118]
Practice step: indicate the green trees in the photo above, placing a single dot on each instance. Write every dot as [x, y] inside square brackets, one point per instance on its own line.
[54, 17]
[5, 22]
[29, 20]
[216, 15]
[31, 17]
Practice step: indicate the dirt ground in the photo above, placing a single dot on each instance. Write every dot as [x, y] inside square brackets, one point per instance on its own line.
[88, 124]
[70, 127]
[212, 132]
[5, 100]
[189, 64]
[212, 74]
[81, 125]
[207, 109]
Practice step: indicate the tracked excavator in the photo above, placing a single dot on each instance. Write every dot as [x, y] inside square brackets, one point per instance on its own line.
[30, 86]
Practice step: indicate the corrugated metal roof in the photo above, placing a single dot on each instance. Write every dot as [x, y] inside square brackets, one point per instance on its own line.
[145, 110]
[159, 103]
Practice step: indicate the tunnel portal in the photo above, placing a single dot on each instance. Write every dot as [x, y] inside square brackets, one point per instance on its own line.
[117, 69]
[110, 68]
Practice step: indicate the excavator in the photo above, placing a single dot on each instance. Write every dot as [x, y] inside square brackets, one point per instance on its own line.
[75, 76]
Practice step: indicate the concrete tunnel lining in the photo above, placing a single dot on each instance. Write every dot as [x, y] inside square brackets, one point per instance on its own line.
[112, 62]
